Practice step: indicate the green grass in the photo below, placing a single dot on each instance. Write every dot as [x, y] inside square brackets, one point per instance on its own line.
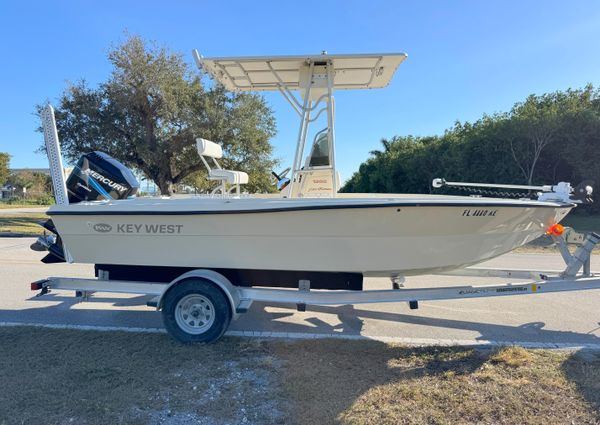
[67, 376]
[22, 223]
[4, 206]
[583, 223]
[24, 203]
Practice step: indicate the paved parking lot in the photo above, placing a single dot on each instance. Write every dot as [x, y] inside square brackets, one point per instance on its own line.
[559, 318]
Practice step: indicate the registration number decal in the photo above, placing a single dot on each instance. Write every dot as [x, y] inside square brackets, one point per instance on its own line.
[479, 213]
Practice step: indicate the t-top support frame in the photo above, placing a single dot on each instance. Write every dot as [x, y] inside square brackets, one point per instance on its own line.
[313, 86]
[316, 86]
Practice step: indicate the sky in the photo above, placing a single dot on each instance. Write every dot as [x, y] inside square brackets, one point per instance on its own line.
[465, 58]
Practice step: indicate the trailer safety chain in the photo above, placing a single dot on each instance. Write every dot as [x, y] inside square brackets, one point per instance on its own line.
[45, 290]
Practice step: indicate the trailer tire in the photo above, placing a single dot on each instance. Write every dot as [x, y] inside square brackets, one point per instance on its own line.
[196, 310]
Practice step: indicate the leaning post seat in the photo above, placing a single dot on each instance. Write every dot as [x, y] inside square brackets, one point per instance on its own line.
[231, 177]
[206, 148]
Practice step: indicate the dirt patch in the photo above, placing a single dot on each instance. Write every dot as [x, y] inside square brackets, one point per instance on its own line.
[63, 376]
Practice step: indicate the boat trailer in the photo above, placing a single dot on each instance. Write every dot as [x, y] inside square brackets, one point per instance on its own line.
[199, 305]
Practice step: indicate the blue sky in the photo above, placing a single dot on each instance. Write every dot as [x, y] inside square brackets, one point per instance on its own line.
[466, 58]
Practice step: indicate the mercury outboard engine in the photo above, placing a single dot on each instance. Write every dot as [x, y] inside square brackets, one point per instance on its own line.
[97, 176]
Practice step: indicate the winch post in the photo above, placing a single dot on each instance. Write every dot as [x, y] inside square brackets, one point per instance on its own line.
[581, 257]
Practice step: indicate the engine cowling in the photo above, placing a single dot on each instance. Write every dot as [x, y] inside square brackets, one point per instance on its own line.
[98, 176]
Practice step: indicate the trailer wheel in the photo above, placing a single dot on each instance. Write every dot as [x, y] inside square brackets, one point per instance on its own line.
[196, 310]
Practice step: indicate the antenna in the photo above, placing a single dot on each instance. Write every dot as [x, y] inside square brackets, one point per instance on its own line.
[54, 157]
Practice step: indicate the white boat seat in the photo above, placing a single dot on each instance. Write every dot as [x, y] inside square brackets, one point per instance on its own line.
[209, 149]
[229, 176]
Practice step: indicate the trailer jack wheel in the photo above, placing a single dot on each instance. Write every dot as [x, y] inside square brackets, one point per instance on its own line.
[196, 310]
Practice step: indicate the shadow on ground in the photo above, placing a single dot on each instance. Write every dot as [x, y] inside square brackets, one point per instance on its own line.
[371, 382]
[583, 370]
[350, 320]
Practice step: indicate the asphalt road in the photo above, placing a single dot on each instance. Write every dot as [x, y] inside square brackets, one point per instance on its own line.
[560, 318]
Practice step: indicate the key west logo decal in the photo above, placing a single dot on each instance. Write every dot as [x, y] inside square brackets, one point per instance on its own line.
[141, 229]
[102, 227]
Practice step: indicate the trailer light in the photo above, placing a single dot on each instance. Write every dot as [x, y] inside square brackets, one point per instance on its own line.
[38, 284]
[556, 230]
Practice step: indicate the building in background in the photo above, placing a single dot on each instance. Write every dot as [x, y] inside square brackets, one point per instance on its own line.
[28, 183]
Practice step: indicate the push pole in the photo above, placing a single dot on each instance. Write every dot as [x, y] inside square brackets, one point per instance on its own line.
[54, 157]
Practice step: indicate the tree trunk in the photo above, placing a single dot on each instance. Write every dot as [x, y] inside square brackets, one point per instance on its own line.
[165, 186]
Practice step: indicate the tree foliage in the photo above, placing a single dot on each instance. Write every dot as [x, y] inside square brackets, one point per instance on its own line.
[4, 170]
[153, 107]
[35, 183]
[543, 140]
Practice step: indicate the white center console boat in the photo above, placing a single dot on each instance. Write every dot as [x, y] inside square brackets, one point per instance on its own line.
[230, 242]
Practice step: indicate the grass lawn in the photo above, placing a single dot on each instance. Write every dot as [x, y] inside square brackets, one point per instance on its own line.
[66, 376]
[22, 223]
[7, 205]
[581, 223]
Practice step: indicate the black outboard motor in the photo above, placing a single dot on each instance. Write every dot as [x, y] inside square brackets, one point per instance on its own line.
[98, 176]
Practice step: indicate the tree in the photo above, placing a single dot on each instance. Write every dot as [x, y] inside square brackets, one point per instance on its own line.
[534, 125]
[199, 181]
[545, 139]
[4, 170]
[36, 184]
[152, 108]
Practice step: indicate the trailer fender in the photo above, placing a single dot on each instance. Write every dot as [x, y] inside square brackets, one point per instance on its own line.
[230, 291]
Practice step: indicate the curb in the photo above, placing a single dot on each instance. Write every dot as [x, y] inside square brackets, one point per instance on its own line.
[411, 342]
[19, 235]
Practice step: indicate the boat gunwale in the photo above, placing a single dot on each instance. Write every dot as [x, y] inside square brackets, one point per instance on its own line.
[487, 204]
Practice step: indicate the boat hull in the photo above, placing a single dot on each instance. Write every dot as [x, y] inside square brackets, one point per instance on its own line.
[372, 238]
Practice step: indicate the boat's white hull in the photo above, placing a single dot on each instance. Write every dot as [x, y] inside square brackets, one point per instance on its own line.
[374, 237]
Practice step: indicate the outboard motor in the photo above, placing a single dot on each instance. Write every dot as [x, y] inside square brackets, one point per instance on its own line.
[98, 176]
